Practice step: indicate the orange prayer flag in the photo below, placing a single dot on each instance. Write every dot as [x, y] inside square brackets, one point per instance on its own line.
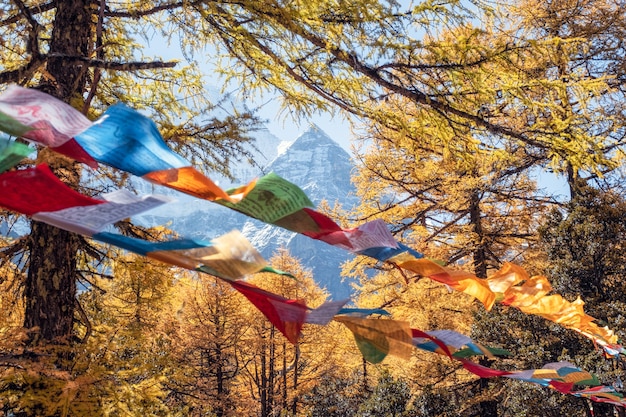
[507, 276]
[458, 280]
[527, 293]
[189, 181]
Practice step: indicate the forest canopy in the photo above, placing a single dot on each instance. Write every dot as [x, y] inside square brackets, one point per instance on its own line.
[459, 106]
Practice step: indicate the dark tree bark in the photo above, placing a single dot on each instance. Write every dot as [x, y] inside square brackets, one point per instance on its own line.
[488, 408]
[50, 286]
[480, 252]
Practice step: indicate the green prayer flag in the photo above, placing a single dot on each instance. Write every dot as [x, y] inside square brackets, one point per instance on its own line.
[11, 153]
[12, 126]
[271, 199]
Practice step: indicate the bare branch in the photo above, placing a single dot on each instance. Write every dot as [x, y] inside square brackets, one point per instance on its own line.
[31, 11]
[33, 30]
[99, 54]
[135, 14]
[114, 66]
[85, 321]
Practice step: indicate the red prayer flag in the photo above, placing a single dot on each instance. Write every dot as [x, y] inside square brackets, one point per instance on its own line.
[33, 190]
[287, 315]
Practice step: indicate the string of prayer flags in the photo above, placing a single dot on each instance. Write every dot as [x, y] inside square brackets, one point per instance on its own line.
[464, 345]
[560, 376]
[373, 234]
[127, 140]
[11, 153]
[12, 126]
[531, 297]
[38, 193]
[43, 119]
[272, 198]
[428, 341]
[564, 372]
[363, 312]
[602, 394]
[88, 220]
[457, 345]
[458, 280]
[288, 316]
[190, 181]
[230, 257]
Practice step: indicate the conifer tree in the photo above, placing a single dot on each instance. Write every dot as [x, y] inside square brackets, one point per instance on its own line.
[213, 324]
[278, 373]
[84, 53]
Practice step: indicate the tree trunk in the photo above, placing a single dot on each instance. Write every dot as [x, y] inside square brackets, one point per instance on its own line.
[480, 252]
[219, 375]
[263, 383]
[50, 287]
[294, 404]
[488, 408]
[271, 373]
[284, 377]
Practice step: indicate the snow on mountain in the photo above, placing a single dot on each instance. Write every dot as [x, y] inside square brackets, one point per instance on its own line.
[315, 163]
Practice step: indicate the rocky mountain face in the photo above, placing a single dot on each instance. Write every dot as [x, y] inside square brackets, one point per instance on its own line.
[315, 163]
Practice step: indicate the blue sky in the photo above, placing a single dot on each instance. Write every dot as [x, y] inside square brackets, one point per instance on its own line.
[283, 125]
[280, 123]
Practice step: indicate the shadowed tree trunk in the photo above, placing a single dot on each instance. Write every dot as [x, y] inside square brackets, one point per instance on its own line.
[488, 408]
[50, 286]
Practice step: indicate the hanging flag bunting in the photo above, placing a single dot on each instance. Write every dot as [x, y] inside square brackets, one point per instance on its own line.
[458, 280]
[373, 234]
[271, 199]
[565, 372]
[363, 312]
[127, 140]
[189, 181]
[602, 394]
[229, 257]
[88, 220]
[560, 376]
[12, 126]
[232, 257]
[38, 193]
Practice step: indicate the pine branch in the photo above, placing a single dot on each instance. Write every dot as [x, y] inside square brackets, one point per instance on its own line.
[352, 60]
[114, 66]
